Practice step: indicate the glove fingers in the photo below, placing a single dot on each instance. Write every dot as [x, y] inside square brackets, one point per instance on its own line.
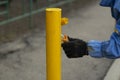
[72, 39]
[75, 48]
[68, 44]
[67, 49]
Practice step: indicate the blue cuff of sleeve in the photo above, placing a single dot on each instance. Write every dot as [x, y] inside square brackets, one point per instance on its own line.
[94, 48]
[107, 3]
[118, 26]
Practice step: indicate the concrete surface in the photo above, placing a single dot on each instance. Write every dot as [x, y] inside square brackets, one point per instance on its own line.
[28, 61]
[114, 71]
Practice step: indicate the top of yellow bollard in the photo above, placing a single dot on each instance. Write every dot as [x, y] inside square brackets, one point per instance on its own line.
[53, 9]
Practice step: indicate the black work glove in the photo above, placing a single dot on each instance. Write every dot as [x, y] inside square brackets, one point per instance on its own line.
[75, 48]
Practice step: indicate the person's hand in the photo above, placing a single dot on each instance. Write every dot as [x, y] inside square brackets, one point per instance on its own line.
[75, 48]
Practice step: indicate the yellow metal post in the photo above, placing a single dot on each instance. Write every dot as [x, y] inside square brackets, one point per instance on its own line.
[53, 43]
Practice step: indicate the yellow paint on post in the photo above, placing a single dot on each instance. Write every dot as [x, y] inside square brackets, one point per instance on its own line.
[64, 21]
[53, 43]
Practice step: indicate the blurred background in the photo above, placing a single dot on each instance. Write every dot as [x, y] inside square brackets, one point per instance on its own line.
[18, 17]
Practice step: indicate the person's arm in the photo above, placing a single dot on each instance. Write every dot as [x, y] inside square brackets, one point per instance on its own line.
[98, 49]
[108, 49]
[75, 48]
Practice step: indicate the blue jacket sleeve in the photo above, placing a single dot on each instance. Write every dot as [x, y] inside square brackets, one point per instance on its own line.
[108, 49]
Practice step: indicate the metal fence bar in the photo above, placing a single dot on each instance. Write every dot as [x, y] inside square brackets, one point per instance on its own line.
[3, 12]
[48, 2]
[7, 9]
[23, 7]
[3, 2]
[30, 18]
[37, 1]
[33, 12]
